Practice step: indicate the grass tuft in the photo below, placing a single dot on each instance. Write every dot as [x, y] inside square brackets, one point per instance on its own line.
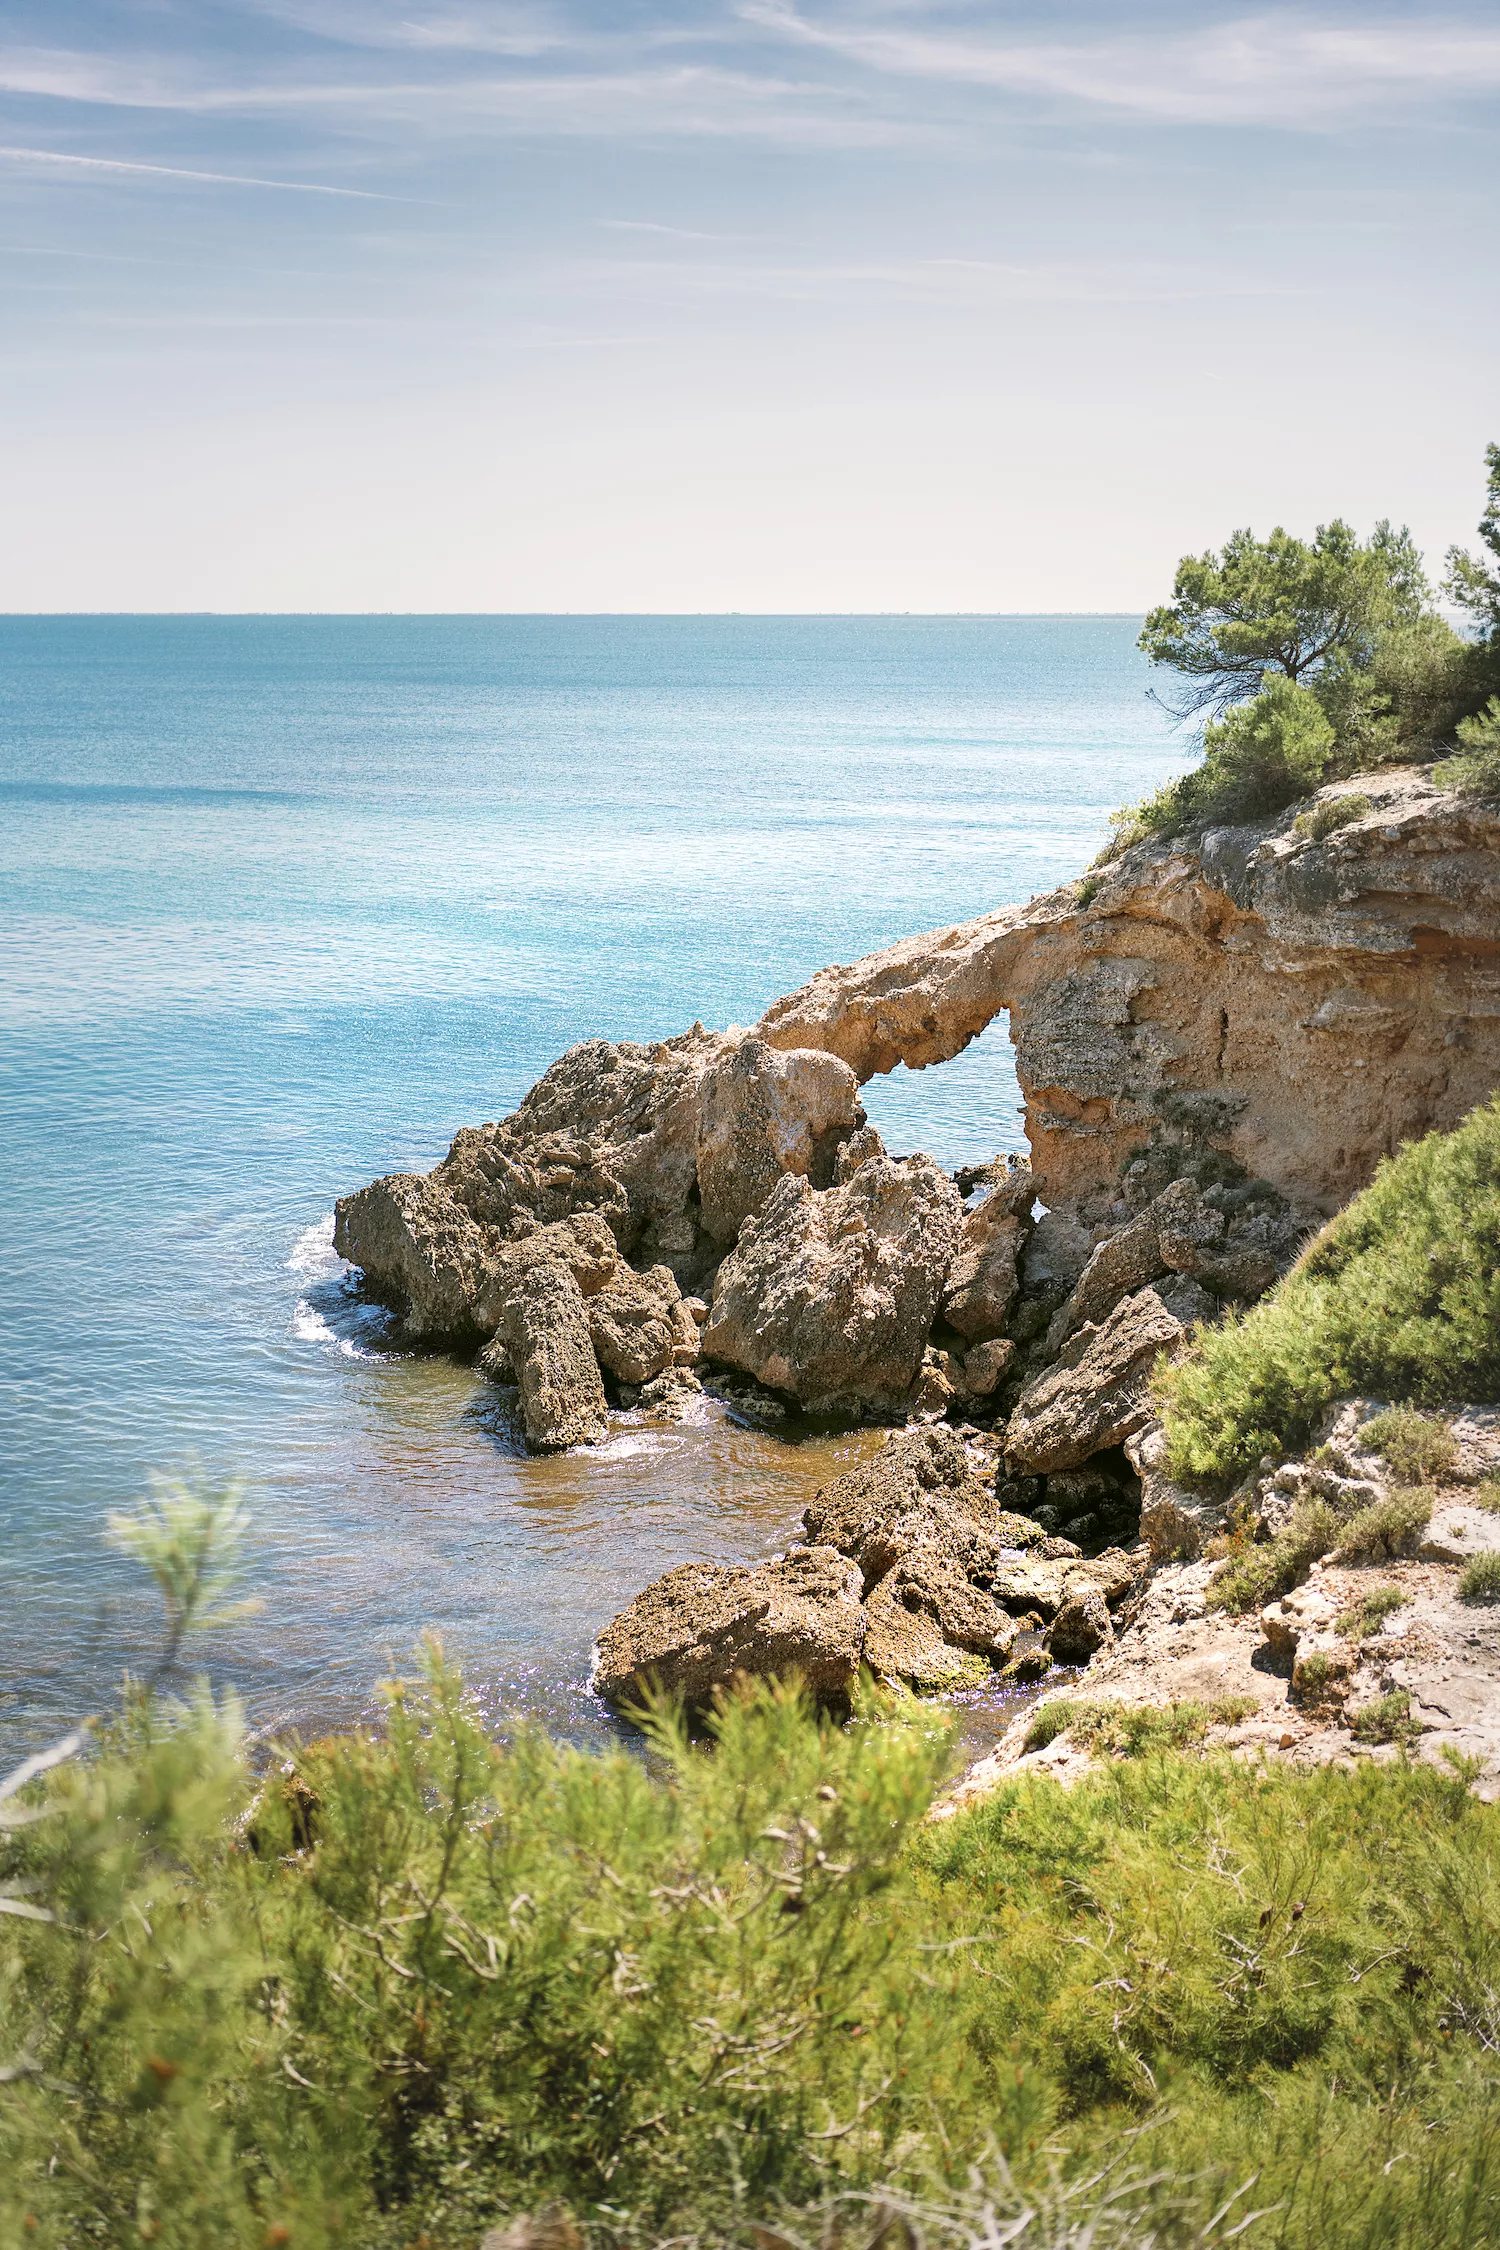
[1363, 1620]
[1128, 1730]
[1388, 1719]
[1388, 1527]
[1419, 1448]
[1480, 1581]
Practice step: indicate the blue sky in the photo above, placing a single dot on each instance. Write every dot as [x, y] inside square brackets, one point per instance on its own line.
[786, 305]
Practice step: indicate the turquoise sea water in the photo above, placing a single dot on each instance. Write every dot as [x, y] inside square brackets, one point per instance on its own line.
[283, 901]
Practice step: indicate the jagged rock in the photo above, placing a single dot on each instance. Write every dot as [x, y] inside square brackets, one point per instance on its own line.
[907, 1644]
[982, 1281]
[1095, 1395]
[1055, 1254]
[1308, 1613]
[421, 1253]
[639, 1326]
[986, 1364]
[918, 1488]
[764, 1113]
[704, 1625]
[544, 1328]
[829, 1295]
[1080, 1628]
[1176, 1523]
[862, 1147]
[673, 1396]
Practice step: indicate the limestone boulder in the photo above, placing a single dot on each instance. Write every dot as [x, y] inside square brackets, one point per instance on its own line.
[986, 1366]
[704, 1625]
[920, 1488]
[640, 1326]
[544, 1332]
[829, 1295]
[764, 1112]
[422, 1254]
[984, 1277]
[1095, 1395]
[1081, 1627]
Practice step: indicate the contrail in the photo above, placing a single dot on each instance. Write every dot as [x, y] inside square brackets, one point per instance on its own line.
[176, 172]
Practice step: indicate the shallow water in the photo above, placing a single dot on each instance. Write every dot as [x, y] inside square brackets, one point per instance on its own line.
[285, 901]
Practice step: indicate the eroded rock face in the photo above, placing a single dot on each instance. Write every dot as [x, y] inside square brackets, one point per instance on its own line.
[829, 1295]
[1305, 1006]
[763, 1113]
[1094, 1397]
[544, 1331]
[983, 1279]
[702, 1626]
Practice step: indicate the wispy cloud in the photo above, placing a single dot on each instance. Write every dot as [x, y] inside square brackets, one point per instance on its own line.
[1265, 69]
[52, 156]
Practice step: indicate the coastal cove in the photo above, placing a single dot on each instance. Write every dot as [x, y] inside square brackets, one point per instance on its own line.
[289, 900]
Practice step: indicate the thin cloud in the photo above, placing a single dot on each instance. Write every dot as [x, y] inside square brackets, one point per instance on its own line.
[180, 172]
[1257, 69]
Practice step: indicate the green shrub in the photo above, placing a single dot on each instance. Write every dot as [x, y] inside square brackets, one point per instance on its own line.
[1480, 1581]
[1420, 1448]
[1334, 812]
[1399, 1294]
[1387, 1719]
[1476, 768]
[1488, 1496]
[1389, 1527]
[1127, 1730]
[1364, 1618]
[397, 1989]
[1256, 1575]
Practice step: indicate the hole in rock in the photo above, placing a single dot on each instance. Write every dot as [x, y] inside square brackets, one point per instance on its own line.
[960, 1112]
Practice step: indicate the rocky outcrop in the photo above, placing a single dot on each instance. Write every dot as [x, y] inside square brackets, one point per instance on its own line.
[1303, 1004]
[696, 1631]
[829, 1295]
[984, 1278]
[1095, 1395]
[763, 1114]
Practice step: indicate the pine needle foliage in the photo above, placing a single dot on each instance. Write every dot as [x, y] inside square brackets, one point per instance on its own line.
[1399, 1295]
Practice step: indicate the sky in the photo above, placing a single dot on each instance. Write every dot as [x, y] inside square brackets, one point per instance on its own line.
[784, 305]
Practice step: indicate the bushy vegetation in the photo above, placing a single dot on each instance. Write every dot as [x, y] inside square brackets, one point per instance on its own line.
[1126, 1730]
[1419, 1448]
[1364, 1618]
[1312, 660]
[403, 1986]
[1399, 1295]
[1480, 1581]
[1476, 768]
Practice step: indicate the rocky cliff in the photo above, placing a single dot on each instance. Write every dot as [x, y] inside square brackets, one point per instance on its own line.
[1303, 1002]
[1217, 1040]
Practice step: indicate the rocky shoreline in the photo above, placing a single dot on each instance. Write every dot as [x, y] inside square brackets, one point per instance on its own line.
[1216, 1042]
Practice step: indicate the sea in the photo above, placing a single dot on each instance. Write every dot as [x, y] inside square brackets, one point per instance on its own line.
[286, 900]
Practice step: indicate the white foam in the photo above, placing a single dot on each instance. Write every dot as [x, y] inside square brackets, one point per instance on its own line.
[309, 1326]
[313, 1251]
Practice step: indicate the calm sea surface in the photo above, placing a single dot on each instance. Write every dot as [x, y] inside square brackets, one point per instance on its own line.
[283, 901]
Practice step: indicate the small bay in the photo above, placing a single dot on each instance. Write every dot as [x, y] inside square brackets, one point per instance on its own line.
[283, 902]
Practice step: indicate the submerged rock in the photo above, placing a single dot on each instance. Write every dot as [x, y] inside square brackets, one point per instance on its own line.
[704, 1625]
[829, 1295]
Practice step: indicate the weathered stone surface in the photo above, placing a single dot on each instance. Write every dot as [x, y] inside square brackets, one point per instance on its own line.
[703, 1625]
[905, 1640]
[422, 1253]
[829, 1295]
[544, 1328]
[1081, 1627]
[862, 1147]
[1305, 1005]
[635, 1324]
[1176, 1523]
[1094, 1397]
[763, 1113]
[983, 1280]
[986, 1364]
[919, 1486]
